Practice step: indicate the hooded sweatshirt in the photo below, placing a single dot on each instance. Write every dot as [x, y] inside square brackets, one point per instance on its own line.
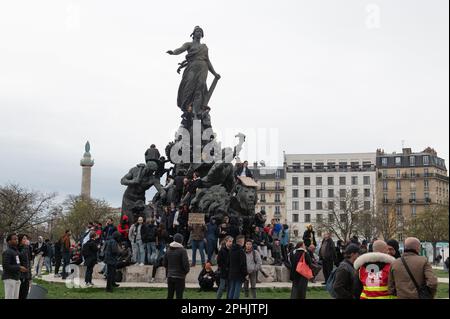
[176, 261]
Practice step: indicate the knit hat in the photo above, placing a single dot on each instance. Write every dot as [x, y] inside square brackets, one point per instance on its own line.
[178, 238]
[351, 249]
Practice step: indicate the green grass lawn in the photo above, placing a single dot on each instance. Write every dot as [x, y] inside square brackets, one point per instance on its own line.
[60, 291]
[441, 273]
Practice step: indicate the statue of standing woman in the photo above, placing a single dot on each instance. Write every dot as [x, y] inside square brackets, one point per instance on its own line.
[193, 92]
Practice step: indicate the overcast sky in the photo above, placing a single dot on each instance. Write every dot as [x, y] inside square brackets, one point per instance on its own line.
[326, 76]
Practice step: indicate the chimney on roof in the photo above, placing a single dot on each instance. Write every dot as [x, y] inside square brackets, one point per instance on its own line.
[406, 150]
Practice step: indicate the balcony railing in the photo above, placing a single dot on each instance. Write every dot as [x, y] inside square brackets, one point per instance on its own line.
[272, 189]
[413, 176]
[299, 169]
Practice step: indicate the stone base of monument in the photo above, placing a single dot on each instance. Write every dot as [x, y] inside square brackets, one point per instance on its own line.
[95, 274]
[137, 273]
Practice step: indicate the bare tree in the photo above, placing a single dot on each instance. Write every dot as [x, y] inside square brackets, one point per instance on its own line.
[78, 211]
[431, 225]
[343, 216]
[386, 221]
[22, 210]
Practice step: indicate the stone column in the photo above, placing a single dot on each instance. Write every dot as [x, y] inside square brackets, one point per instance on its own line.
[86, 164]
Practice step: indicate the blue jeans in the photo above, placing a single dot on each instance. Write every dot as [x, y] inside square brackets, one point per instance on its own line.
[211, 245]
[200, 245]
[151, 251]
[161, 248]
[234, 289]
[222, 286]
[138, 252]
[48, 264]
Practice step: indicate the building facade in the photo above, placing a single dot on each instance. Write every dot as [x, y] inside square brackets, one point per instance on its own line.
[409, 182]
[314, 182]
[271, 192]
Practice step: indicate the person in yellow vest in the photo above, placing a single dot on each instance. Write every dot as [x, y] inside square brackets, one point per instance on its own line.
[373, 272]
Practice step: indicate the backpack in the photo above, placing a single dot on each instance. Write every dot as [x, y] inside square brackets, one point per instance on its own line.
[330, 283]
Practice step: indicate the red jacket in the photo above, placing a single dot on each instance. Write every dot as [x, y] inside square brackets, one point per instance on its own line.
[373, 272]
[123, 227]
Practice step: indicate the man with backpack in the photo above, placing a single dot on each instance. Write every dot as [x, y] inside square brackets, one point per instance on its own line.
[343, 282]
[411, 275]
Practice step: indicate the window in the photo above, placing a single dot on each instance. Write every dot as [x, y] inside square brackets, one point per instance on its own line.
[277, 198]
[278, 173]
[319, 166]
[263, 186]
[308, 167]
[277, 185]
[296, 166]
[295, 193]
[385, 173]
[319, 206]
[318, 180]
[354, 166]
[330, 193]
[330, 218]
[295, 180]
[277, 210]
[413, 211]
[412, 172]
[318, 193]
[412, 196]
[366, 180]
[319, 218]
[262, 198]
[398, 173]
[385, 211]
[343, 166]
[296, 232]
[398, 161]
[342, 180]
[384, 161]
[367, 165]
[331, 166]
[385, 185]
[330, 205]
[342, 193]
[426, 160]
[330, 180]
[307, 205]
[295, 205]
[307, 193]
[295, 218]
[412, 161]
[354, 180]
[366, 205]
[343, 205]
[412, 185]
[307, 181]
[343, 218]
[398, 211]
[354, 193]
[366, 192]
[355, 205]
[427, 195]
[307, 218]
[399, 185]
[426, 183]
[385, 198]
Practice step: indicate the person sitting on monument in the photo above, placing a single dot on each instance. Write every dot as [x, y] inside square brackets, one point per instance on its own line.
[152, 153]
[195, 183]
[243, 171]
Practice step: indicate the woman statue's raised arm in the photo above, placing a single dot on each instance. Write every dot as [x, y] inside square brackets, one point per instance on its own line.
[183, 48]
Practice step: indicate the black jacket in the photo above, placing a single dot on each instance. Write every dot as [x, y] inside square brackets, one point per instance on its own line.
[237, 263]
[328, 252]
[89, 251]
[25, 260]
[11, 264]
[112, 252]
[248, 173]
[222, 262]
[148, 233]
[309, 237]
[295, 258]
[176, 261]
[346, 283]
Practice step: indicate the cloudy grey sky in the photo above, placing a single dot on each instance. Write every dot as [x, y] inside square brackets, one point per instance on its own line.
[327, 76]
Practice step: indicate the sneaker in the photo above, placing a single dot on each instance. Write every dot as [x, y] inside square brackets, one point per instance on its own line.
[141, 264]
